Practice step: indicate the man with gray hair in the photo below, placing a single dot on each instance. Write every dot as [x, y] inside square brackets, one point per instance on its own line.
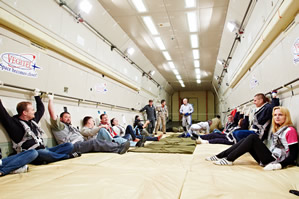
[186, 110]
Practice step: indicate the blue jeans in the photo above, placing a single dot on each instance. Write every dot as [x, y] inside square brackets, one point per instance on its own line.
[105, 135]
[59, 152]
[14, 162]
[240, 134]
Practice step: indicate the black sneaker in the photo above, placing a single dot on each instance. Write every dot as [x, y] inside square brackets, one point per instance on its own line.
[195, 135]
[123, 148]
[75, 155]
[141, 142]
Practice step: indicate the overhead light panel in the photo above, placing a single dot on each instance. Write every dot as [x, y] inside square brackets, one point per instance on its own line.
[198, 76]
[196, 64]
[195, 54]
[166, 55]
[130, 51]
[139, 5]
[232, 26]
[171, 65]
[198, 81]
[192, 21]
[194, 40]
[197, 71]
[175, 71]
[190, 3]
[160, 43]
[178, 77]
[85, 6]
[181, 81]
[151, 72]
[150, 25]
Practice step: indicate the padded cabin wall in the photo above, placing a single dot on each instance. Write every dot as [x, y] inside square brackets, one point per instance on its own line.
[203, 103]
[272, 70]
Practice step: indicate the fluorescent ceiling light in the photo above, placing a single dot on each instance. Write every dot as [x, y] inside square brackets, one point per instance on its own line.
[152, 72]
[198, 81]
[160, 43]
[220, 61]
[194, 41]
[195, 54]
[181, 81]
[192, 21]
[198, 76]
[196, 64]
[183, 85]
[190, 3]
[150, 25]
[85, 6]
[171, 65]
[139, 5]
[178, 77]
[166, 55]
[130, 51]
[175, 71]
[197, 71]
[232, 26]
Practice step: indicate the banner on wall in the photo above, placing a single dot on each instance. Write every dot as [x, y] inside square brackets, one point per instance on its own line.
[101, 88]
[253, 82]
[296, 51]
[19, 64]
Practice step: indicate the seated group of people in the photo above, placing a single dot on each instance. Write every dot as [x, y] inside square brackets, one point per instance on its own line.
[283, 149]
[26, 136]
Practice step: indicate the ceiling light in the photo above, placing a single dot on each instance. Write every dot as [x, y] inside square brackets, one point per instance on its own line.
[189, 3]
[183, 85]
[166, 55]
[196, 64]
[139, 5]
[151, 72]
[160, 43]
[198, 76]
[85, 6]
[175, 71]
[197, 71]
[171, 65]
[130, 51]
[198, 81]
[195, 54]
[178, 77]
[232, 26]
[191, 16]
[220, 61]
[181, 81]
[150, 25]
[194, 41]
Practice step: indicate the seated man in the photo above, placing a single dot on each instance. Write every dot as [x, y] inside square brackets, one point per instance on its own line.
[199, 127]
[107, 133]
[123, 132]
[17, 163]
[64, 132]
[25, 133]
[140, 130]
[216, 124]
[262, 117]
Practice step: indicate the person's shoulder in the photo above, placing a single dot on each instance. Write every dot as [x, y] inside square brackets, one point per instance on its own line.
[291, 129]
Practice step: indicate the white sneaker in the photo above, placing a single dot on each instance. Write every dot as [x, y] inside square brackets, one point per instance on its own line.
[205, 141]
[223, 161]
[212, 158]
[22, 169]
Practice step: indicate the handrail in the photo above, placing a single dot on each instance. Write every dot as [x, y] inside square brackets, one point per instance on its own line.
[268, 93]
[80, 100]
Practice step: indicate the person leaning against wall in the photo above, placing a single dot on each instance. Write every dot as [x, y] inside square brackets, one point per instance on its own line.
[26, 134]
[162, 116]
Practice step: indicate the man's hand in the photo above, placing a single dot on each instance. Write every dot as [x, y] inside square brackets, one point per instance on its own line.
[36, 92]
[51, 97]
[186, 114]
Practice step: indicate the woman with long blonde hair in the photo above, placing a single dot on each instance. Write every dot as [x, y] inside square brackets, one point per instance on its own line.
[283, 150]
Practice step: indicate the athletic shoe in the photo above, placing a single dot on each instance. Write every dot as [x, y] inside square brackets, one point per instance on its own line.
[223, 161]
[22, 169]
[159, 137]
[212, 158]
[75, 155]
[141, 142]
[124, 147]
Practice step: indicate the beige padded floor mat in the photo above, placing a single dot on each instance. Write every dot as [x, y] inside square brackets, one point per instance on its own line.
[146, 175]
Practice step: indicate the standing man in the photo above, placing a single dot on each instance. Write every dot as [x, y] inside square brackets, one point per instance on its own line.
[151, 115]
[162, 116]
[186, 110]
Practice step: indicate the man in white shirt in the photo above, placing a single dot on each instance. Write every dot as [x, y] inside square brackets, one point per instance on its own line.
[186, 110]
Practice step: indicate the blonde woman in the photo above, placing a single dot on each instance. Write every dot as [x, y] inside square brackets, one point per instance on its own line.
[283, 150]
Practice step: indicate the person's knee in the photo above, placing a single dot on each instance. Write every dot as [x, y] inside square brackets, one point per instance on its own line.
[33, 154]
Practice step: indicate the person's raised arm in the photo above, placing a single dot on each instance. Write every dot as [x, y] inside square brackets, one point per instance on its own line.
[51, 108]
[40, 108]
